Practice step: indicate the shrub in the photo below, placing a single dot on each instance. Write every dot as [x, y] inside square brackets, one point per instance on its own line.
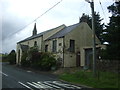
[24, 61]
[5, 58]
[103, 54]
[12, 57]
[59, 62]
[33, 50]
[43, 61]
[48, 61]
[38, 60]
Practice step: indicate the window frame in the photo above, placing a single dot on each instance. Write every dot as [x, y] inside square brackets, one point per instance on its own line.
[72, 45]
[54, 46]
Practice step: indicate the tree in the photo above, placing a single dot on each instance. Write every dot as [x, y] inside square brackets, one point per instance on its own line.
[99, 26]
[12, 57]
[113, 32]
[4, 57]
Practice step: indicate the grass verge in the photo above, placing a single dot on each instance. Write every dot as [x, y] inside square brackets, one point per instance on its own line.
[102, 80]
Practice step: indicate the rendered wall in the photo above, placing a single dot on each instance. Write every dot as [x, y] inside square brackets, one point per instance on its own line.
[59, 53]
[83, 38]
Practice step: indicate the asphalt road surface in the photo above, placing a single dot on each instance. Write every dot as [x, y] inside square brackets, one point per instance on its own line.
[17, 78]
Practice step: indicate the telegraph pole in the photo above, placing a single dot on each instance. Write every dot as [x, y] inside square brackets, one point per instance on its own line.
[93, 36]
[94, 46]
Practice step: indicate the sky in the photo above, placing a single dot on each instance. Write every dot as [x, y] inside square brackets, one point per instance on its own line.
[16, 14]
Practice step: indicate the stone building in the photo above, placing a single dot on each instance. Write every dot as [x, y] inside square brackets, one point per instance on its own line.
[70, 44]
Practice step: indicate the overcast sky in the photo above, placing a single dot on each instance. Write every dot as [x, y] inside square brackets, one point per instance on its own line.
[18, 13]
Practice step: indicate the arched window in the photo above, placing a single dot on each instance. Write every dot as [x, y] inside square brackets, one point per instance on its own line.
[35, 43]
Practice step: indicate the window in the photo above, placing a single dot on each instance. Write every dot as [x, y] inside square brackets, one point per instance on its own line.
[46, 48]
[35, 43]
[54, 47]
[72, 46]
[60, 44]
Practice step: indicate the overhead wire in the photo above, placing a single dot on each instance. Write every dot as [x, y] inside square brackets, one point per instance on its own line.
[35, 18]
[83, 7]
[103, 11]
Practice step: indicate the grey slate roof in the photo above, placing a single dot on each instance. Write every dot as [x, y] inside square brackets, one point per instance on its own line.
[32, 37]
[64, 31]
[39, 35]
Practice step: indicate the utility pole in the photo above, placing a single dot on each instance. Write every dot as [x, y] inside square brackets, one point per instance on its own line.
[93, 29]
[94, 46]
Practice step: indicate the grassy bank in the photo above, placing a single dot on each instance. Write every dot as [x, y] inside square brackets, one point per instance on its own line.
[103, 79]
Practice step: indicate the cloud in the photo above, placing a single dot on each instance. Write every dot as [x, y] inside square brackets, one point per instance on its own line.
[19, 13]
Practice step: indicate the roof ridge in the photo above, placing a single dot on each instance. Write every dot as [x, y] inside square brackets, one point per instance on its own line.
[73, 24]
[55, 27]
[64, 31]
[40, 34]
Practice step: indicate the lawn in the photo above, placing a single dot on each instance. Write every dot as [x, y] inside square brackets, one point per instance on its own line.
[102, 80]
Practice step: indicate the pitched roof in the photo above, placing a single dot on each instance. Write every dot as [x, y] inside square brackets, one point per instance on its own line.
[39, 35]
[64, 31]
[32, 37]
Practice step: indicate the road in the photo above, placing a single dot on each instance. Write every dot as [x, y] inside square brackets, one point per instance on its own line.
[17, 78]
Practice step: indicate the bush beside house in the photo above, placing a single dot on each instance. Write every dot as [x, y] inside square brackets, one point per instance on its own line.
[12, 57]
[24, 61]
[38, 60]
[4, 57]
[47, 61]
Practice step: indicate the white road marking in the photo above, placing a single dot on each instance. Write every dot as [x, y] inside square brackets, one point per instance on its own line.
[44, 85]
[46, 82]
[33, 85]
[25, 85]
[65, 85]
[3, 73]
[40, 86]
[29, 71]
[76, 87]
[50, 85]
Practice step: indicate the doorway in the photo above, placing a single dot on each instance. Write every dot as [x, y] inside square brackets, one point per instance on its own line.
[88, 58]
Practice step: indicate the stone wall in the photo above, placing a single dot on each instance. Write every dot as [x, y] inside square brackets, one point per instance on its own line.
[108, 65]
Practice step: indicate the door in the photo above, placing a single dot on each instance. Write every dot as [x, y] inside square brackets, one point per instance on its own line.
[88, 58]
[78, 59]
